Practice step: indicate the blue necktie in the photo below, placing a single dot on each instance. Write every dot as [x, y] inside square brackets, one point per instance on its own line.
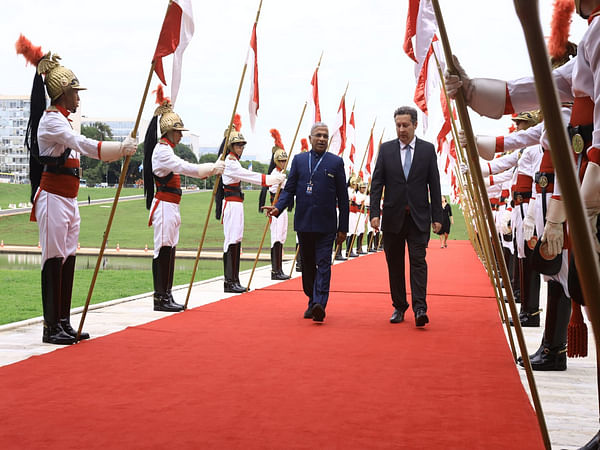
[407, 161]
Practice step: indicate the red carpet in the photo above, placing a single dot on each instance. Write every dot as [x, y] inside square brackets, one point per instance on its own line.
[249, 372]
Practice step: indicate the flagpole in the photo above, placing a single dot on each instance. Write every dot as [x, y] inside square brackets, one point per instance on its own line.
[218, 177]
[359, 170]
[276, 196]
[116, 200]
[473, 159]
[496, 284]
[369, 189]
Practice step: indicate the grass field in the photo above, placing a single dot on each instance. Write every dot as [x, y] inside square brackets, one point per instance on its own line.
[19, 193]
[20, 296]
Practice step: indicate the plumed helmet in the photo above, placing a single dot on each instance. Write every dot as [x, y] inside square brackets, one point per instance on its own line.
[560, 49]
[235, 126]
[354, 179]
[363, 184]
[280, 155]
[57, 78]
[531, 117]
[236, 138]
[169, 120]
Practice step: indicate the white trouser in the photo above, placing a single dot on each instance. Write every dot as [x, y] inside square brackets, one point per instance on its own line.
[562, 275]
[352, 221]
[361, 224]
[166, 221]
[369, 227]
[279, 227]
[517, 227]
[233, 223]
[58, 223]
[499, 219]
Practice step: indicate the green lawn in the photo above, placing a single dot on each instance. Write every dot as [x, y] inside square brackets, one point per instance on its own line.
[19, 193]
[20, 297]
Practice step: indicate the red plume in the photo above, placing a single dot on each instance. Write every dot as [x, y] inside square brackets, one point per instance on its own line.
[31, 53]
[160, 95]
[559, 28]
[277, 138]
[237, 122]
[304, 145]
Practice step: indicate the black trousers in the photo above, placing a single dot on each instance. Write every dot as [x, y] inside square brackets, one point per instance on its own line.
[394, 245]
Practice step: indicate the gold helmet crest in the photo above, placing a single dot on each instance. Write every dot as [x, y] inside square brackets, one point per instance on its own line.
[169, 120]
[58, 79]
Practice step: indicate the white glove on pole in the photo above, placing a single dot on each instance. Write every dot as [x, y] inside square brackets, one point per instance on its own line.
[463, 168]
[218, 167]
[113, 150]
[486, 145]
[529, 222]
[276, 178]
[485, 96]
[207, 169]
[553, 231]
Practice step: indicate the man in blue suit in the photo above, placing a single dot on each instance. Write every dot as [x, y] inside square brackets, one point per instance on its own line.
[318, 181]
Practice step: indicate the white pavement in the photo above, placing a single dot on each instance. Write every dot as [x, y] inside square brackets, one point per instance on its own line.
[569, 399]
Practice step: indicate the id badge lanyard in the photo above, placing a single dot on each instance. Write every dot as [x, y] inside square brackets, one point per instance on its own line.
[309, 185]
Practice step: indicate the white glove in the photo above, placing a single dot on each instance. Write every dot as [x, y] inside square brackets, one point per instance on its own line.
[553, 231]
[218, 167]
[486, 182]
[485, 169]
[484, 95]
[529, 222]
[276, 178]
[462, 139]
[128, 146]
[113, 150]
[463, 168]
[455, 82]
[505, 225]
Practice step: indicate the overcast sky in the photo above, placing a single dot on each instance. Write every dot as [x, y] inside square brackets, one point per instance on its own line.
[109, 46]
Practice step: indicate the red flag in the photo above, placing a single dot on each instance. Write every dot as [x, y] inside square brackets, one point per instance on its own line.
[447, 125]
[370, 154]
[176, 33]
[253, 57]
[338, 140]
[411, 28]
[314, 98]
[352, 129]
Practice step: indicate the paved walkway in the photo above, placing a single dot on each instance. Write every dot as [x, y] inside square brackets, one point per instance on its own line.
[569, 399]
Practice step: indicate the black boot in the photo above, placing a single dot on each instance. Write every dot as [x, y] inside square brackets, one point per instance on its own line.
[359, 249]
[339, 255]
[229, 284]
[279, 275]
[371, 242]
[170, 281]
[66, 290]
[51, 298]
[161, 267]
[554, 353]
[236, 266]
[530, 294]
[299, 259]
[349, 250]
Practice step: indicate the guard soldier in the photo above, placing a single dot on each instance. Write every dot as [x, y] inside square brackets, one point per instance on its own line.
[279, 225]
[360, 199]
[353, 189]
[232, 212]
[55, 151]
[162, 168]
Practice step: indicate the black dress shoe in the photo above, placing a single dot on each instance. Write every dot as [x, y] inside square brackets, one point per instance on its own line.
[318, 312]
[397, 317]
[308, 312]
[421, 318]
[161, 303]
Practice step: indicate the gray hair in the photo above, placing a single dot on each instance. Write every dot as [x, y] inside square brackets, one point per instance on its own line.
[318, 125]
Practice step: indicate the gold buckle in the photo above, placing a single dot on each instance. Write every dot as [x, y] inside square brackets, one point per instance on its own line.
[543, 181]
[578, 143]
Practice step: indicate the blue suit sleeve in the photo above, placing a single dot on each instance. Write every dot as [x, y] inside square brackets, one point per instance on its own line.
[342, 198]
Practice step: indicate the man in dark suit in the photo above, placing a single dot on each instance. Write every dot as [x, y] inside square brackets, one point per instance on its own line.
[318, 181]
[407, 169]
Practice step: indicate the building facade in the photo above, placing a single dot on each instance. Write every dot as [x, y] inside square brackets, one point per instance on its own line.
[14, 158]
